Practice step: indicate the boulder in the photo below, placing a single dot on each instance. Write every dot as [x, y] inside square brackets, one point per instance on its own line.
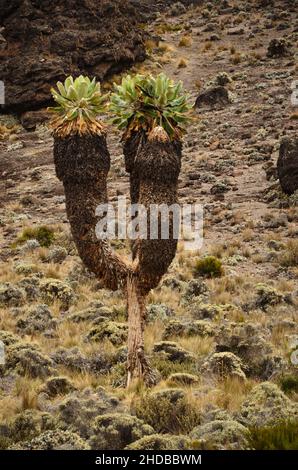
[31, 119]
[278, 47]
[213, 97]
[287, 165]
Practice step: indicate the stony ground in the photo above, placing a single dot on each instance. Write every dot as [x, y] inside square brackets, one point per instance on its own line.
[223, 346]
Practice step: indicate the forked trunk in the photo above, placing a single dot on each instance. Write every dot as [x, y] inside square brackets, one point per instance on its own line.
[138, 367]
[82, 164]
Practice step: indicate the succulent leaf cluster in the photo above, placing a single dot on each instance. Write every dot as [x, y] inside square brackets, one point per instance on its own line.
[145, 102]
[80, 102]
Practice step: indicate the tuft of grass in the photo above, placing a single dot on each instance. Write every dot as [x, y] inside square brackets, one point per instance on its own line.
[236, 58]
[6, 131]
[182, 63]
[185, 41]
[207, 46]
[290, 255]
[282, 436]
[26, 391]
[43, 234]
[210, 266]
[166, 367]
[150, 45]
[169, 28]
[248, 235]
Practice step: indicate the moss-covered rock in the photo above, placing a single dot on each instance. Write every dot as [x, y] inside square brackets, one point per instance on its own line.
[267, 404]
[161, 442]
[53, 289]
[114, 331]
[222, 435]
[54, 440]
[115, 431]
[10, 295]
[224, 364]
[172, 351]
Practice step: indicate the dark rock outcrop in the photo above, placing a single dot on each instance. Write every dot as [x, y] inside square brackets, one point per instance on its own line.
[213, 97]
[278, 47]
[47, 40]
[287, 165]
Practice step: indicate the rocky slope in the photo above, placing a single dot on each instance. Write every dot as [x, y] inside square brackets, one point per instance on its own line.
[223, 346]
[44, 41]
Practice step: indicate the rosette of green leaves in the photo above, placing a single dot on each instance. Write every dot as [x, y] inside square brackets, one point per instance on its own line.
[80, 102]
[144, 102]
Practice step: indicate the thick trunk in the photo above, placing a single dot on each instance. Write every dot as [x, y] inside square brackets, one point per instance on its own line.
[137, 364]
[158, 164]
[130, 149]
[82, 163]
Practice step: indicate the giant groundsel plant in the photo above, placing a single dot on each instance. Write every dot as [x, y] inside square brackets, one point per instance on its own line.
[153, 113]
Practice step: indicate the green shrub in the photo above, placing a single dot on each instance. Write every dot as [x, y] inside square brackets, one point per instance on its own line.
[168, 411]
[290, 255]
[166, 367]
[5, 442]
[43, 234]
[117, 430]
[283, 436]
[289, 384]
[210, 266]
